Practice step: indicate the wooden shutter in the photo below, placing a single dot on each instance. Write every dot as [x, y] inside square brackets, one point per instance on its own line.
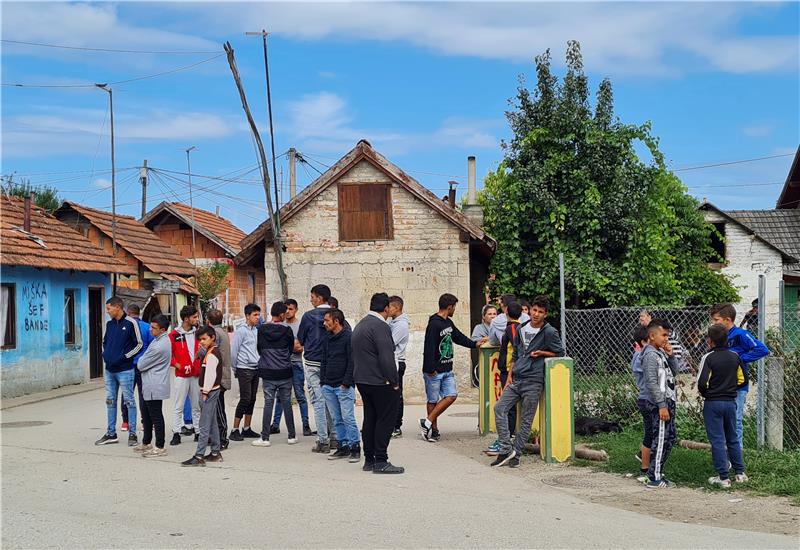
[365, 212]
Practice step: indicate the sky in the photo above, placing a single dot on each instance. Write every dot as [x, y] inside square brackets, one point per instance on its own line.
[426, 83]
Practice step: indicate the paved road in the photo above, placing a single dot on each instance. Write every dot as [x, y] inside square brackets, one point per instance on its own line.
[58, 490]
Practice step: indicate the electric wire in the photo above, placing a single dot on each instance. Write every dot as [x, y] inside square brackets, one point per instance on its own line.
[107, 50]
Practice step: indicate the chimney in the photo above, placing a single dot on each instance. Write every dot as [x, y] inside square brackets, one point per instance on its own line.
[218, 211]
[451, 194]
[472, 189]
[26, 222]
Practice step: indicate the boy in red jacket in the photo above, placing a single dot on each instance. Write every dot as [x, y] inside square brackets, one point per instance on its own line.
[186, 363]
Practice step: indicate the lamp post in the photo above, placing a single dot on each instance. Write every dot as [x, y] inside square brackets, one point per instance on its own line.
[191, 203]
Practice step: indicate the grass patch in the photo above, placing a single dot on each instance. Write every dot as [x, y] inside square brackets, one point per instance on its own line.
[770, 472]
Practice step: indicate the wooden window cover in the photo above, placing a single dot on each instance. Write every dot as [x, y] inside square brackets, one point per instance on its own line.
[365, 212]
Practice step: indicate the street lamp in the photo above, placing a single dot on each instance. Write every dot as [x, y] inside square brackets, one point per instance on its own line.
[191, 203]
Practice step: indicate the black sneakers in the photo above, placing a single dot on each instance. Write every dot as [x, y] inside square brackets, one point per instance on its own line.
[321, 447]
[397, 433]
[435, 435]
[249, 433]
[387, 468]
[213, 457]
[107, 440]
[341, 452]
[187, 431]
[132, 440]
[176, 439]
[307, 431]
[506, 458]
[274, 430]
[236, 435]
[368, 466]
[194, 461]
[513, 463]
[425, 431]
[355, 454]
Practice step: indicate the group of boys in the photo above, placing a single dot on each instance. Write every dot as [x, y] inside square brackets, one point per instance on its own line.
[722, 380]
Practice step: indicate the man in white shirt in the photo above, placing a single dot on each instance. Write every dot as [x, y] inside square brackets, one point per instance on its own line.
[400, 329]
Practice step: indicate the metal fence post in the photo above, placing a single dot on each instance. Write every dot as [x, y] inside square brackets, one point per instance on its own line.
[563, 300]
[781, 305]
[762, 303]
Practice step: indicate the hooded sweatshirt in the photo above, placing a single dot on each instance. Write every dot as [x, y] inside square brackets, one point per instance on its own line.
[154, 366]
[529, 339]
[337, 359]
[748, 347]
[400, 330]
[275, 345]
[121, 342]
[312, 334]
[659, 376]
[440, 335]
[185, 358]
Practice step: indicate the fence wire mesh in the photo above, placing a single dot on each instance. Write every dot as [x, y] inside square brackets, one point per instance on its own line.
[601, 343]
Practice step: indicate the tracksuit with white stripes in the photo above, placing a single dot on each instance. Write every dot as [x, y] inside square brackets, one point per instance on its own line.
[659, 380]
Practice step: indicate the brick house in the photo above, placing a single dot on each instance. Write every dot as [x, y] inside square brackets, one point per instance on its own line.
[216, 240]
[159, 283]
[366, 226]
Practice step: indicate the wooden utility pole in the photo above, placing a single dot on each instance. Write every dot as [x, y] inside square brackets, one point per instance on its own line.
[191, 202]
[143, 178]
[276, 236]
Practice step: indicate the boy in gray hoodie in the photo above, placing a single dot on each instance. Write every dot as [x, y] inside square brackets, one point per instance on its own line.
[400, 329]
[154, 368]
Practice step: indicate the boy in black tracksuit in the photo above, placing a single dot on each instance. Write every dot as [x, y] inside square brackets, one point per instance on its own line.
[514, 310]
[721, 375]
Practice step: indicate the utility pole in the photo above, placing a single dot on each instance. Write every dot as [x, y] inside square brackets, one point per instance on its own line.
[191, 203]
[105, 88]
[292, 173]
[143, 178]
[277, 245]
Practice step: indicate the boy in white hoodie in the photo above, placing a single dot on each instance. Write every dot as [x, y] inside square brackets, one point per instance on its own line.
[400, 328]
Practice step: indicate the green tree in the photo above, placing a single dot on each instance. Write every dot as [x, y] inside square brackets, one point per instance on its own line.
[572, 181]
[211, 281]
[45, 197]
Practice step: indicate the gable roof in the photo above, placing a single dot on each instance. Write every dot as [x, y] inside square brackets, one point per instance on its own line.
[50, 243]
[779, 227]
[215, 228]
[742, 217]
[132, 235]
[790, 194]
[363, 151]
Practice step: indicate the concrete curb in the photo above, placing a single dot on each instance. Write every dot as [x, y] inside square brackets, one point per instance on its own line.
[64, 391]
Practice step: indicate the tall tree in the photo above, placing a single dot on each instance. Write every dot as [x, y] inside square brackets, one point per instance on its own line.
[45, 197]
[573, 182]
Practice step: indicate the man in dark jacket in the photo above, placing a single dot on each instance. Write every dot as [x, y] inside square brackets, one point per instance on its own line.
[275, 346]
[437, 363]
[121, 342]
[223, 342]
[375, 375]
[722, 373]
[336, 375]
[534, 342]
[311, 335]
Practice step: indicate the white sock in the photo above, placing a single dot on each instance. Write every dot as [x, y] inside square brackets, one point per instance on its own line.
[245, 428]
[428, 423]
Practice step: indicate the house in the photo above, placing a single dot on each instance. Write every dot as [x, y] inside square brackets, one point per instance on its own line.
[216, 239]
[159, 283]
[365, 226]
[54, 286]
[762, 241]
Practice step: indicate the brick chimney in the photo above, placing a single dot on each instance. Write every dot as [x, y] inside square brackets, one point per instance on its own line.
[26, 221]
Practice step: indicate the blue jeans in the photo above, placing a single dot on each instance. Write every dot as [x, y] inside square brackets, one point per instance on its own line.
[342, 406]
[439, 386]
[298, 383]
[114, 382]
[318, 402]
[720, 420]
[187, 412]
[741, 401]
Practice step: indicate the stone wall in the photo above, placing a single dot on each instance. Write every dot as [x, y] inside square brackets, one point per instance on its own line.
[425, 259]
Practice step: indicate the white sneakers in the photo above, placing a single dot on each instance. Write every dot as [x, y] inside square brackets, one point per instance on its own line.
[716, 480]
[155, 452]
[291, 440]
[742, 478]
[260, 442]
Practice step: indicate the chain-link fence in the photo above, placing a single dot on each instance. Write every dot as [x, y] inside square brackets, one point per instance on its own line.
[602, 345]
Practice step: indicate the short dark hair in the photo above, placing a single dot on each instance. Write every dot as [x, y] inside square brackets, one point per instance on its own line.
[187, 311]
[640, 334]
[506, 299]
[323, 291]
[726, 311]
[250, 308]
[115, 301]
[718, 334]
[396, 300]
[379, 302]
[524, 303]
[161, 321]
[514, 310]
[291, 302]
[214, 317]
[133, 309]
[446, 300]
[208, 331]
[333, 302]
[335, 315]
[277, 309]
[656, 324]
[542, 302]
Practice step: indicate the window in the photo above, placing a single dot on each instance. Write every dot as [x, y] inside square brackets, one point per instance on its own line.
[70, 330]
[8, 316]
[718, 243]
[365, 212]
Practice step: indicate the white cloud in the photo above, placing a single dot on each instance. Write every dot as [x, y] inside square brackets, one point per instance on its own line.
[101, 183]
[758, 130]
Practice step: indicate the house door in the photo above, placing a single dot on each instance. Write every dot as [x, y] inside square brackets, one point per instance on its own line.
[95, 332]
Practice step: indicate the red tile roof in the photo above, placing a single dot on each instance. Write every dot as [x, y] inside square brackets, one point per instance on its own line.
[213, 227]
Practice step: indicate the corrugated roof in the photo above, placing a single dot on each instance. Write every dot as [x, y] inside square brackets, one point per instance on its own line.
[132, 235]
[781, 228]
[61, 246]
[213, 227]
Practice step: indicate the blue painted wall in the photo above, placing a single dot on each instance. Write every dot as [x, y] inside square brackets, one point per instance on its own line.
[41, 361]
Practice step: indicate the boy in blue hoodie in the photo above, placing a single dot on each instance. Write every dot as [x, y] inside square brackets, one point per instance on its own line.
[747, 347]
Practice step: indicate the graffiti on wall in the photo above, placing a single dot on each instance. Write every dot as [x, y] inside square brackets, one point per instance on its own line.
[35, 313]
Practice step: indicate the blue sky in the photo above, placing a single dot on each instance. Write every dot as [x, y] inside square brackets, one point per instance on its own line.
[426, 83]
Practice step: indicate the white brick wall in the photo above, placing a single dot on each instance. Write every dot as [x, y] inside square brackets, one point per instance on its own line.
[747, 257]
[424, 260]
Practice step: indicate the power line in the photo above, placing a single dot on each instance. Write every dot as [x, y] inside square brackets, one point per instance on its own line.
[736, 185]
[82, 48]
[730, 162]
[171, 71]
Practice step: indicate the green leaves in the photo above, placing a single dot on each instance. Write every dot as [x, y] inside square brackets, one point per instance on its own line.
[211, 281]
[572, 181]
